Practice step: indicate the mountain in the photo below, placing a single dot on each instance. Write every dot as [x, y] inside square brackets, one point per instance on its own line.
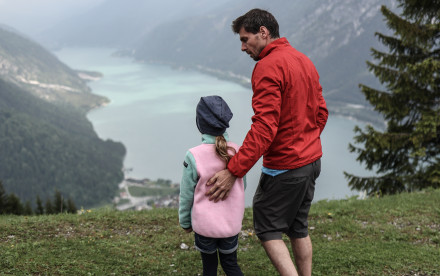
[33, 68]
[336, 34]
[46, 141]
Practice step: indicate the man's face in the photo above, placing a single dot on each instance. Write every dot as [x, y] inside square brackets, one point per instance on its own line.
[251, 43]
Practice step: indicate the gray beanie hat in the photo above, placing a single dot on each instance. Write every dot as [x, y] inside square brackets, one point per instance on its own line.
[213, 115]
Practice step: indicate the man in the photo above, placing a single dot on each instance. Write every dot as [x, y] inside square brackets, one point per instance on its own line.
[289, 116]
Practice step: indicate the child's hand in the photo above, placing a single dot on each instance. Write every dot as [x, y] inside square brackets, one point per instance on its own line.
[188, 230]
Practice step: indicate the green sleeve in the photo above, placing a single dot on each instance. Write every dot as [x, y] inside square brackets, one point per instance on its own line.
[187, 187]
[244, 182]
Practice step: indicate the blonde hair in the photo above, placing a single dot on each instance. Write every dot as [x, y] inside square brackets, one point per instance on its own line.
[222, 149]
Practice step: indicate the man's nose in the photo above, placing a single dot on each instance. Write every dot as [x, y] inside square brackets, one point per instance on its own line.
[243, 47]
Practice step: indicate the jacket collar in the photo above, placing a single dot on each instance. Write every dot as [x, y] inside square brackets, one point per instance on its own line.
[274, 44]
[209, 139]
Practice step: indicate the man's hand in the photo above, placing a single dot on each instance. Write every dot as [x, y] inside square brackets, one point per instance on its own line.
[188, 230]
[222, 183]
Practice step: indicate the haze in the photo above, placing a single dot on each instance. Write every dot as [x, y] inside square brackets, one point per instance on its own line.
[32, 17]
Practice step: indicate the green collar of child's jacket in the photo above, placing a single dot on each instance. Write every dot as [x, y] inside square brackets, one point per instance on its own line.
[209, 139]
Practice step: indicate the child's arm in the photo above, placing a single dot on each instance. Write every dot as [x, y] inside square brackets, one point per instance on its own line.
[187, 187]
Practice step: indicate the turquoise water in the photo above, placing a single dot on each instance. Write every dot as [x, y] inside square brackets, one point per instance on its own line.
[152, 112]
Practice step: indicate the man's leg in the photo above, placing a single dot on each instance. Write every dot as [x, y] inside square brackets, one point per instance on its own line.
[302, 251]
[280, 257]
[299, 237]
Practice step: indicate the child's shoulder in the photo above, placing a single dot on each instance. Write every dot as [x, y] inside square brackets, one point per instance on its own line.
[201, 147]
[230, 143]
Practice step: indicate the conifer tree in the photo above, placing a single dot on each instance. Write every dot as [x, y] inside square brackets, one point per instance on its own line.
[71, 207]
[27, 208]
[59, 205]
[40, 209]
[13, 205]
[49, 209]
[406, 155]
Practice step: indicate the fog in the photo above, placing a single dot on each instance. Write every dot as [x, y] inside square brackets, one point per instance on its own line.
[32, 17]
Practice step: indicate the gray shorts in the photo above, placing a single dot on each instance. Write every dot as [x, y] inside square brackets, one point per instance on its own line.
[281, 204]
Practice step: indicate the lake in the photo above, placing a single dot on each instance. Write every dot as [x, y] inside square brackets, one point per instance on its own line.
[152, 112]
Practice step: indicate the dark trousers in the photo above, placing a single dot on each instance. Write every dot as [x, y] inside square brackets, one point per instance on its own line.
[227, 261]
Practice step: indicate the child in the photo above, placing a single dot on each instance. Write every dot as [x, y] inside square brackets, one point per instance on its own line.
[216, 225]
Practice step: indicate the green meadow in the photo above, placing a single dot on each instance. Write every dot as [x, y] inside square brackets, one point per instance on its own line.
[389, 235]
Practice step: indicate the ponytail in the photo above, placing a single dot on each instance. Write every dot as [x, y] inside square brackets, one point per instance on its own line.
[222, 149]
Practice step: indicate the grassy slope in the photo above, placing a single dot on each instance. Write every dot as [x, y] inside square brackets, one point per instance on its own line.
[393, 235]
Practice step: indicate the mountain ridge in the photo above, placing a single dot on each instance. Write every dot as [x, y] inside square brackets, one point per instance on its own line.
[30, 66]
[336, 34]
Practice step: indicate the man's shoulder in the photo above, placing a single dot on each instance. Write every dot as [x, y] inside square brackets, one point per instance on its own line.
[276, 59]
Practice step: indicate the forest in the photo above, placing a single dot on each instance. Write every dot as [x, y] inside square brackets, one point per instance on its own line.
[45, 147]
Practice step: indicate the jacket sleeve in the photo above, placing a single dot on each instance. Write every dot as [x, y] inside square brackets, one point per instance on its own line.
[322, 112]
[187, 187]
[266, 103]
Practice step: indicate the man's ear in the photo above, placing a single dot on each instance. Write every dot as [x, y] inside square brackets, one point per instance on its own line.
[264, 32]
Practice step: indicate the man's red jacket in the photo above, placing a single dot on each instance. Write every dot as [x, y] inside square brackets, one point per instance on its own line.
[289, 112]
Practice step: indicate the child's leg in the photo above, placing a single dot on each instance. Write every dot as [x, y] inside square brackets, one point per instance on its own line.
[228, 255]
[229, 264]
[208, 249]
[210, 264]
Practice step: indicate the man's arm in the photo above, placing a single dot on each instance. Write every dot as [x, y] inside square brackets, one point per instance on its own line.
[266, 103]
[322, 112]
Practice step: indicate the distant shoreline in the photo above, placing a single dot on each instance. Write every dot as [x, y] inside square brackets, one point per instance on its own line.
[89, 75]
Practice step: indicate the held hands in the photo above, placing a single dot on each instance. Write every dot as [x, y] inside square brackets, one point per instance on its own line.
[222, 183]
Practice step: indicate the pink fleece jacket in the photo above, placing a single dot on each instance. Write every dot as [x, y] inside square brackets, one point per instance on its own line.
[221, 219]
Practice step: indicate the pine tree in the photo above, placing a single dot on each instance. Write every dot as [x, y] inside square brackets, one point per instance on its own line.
[59, 206]
[27, 209]
[40, 209]
[13, 205]
[406, 155]
[49, 207]
[71, 207]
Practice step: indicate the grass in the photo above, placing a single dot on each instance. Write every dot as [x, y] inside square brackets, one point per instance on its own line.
[149, 191]
[392, 235]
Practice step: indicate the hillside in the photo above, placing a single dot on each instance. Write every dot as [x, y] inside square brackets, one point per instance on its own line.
[46, 141]
[393, 235]
[44, 147]
[33, 68]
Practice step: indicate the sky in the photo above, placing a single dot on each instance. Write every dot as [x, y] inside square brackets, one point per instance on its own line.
[34, 16]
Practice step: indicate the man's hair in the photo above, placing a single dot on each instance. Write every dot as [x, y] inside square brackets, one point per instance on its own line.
[253, 20]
